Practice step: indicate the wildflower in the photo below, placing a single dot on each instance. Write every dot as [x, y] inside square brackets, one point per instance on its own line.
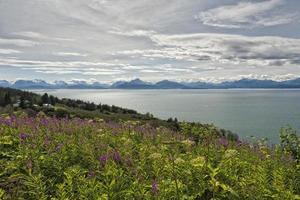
[103, 159]
[224, 142]
[91, 174]
[116, 156]
[154, 188]
[23, 136]
[44, 121]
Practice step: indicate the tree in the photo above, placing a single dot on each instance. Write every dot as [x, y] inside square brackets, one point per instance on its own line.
[170, 120]
[90, 106]
[45, 99]
[114, 109]
[175, 120]
[22, 102]
[2, 101]
[52, 100]
[7, 99]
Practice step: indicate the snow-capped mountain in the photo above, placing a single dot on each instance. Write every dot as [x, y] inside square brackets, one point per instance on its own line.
[140, 84]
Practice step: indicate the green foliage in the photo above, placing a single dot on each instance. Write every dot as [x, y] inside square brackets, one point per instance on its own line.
[45, 98]
[290, 142]
[50, 158]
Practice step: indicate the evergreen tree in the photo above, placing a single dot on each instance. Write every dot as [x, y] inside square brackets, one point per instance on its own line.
[1, 101]
[170, 120]
[22, 102]
[176, 120]
[7, 99]
[52, 100]
[45, 98]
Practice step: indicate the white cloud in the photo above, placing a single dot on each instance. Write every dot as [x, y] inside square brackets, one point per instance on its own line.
[40, 36]
[30, 34]
[63, 64]
[65, 67]
[17, 42]
[9, 51]
[76, 70]
[70, 54]
[247, 14]
[134, 33]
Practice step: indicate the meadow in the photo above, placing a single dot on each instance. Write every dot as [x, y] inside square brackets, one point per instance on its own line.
[70, 158]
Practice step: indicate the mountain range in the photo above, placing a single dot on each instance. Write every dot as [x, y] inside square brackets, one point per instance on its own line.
[139, 84]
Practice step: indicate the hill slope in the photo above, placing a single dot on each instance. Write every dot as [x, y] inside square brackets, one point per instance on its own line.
[88, 159]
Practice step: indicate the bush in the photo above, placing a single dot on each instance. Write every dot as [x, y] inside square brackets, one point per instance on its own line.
[290, 142]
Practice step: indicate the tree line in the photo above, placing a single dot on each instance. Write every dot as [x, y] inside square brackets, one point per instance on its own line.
[26, 99]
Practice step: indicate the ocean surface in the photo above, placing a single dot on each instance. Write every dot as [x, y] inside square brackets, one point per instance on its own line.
[260, 113]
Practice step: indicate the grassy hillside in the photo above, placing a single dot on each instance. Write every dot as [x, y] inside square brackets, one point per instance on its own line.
[50, 158]
[14, 101]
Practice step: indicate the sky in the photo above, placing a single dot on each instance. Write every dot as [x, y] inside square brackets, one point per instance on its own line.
[182, 40]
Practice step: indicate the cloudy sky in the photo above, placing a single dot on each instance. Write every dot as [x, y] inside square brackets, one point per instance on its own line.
[108, 40]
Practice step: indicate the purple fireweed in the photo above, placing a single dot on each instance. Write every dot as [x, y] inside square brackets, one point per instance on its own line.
[103, 159]
[117, 157]
[23, 136]
[91, 174]
[6, 122]
[154, 188]
[44, 121]
[13, 119]
[224, 142]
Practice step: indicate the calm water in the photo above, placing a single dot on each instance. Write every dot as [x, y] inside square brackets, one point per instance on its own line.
[260, 113]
